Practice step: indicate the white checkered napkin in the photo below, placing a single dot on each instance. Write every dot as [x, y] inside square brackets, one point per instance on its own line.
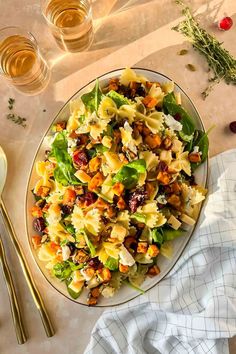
[193, 310]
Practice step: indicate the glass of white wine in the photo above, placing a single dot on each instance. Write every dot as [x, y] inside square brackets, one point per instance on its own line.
[21, 62]
[70, 22]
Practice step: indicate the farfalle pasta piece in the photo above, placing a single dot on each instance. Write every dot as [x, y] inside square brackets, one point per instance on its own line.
[156, 92]
[128, 75]
[155, 122]
[154, 218]
[86, 220]
[182, 163]
[57, 233]
[151, 159]
[124, 219]
[107, 109]
[128, 112]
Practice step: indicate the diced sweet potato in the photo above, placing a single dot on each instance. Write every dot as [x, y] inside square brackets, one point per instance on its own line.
[96, 181]
[36, 212]
[142, 247]
[36, 241]
[121, 204]
[163, 177]
[154, 270]
[43, 191]
[73, 135]
[81, 257]
[111, 212]
[146, 131]
[174, 200]
[149, 189]
[150, 102]
[153, 251]
[113, 84]
[60, 126]
[123, 268]
[95, 292]
[118, 188]
[175, 187]
[94, 164]
[69, 197]
[101, 204]
[105, 274]
[194, 157]
[92, 301]
[153, 141]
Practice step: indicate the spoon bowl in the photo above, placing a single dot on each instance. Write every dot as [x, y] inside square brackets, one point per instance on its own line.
[3, 169]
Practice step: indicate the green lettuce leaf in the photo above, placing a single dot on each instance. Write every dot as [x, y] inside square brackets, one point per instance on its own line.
[90, 245]
[71, 292]
[64, 172]
[92, 99]
[170, 234]
[128, 175]
[119, 99]
[139, 217]
[157, 236]
[112, 264]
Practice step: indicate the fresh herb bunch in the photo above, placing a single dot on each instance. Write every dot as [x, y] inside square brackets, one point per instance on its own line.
[220, 61]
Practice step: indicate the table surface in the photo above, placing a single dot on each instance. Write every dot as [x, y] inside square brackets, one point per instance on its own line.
[128, 33]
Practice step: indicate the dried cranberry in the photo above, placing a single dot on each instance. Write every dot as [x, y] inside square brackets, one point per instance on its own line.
[66, 209]
[162, 166]
[39, 224]
[90, 198]
[232, 127]
[141, 91]
[80, 158]
[72, 247]
[177, 117]
[95, 263]
[160, 206]
[136, 199]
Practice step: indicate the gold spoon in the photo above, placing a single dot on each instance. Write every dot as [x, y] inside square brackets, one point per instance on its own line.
[25, 268]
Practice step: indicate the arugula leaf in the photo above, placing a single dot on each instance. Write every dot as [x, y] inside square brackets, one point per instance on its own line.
[128, 175]
[64, 172]
[170, 105]
[112, 263]
[92, 153]
[119, 99]
[92, 99]
[89, 244]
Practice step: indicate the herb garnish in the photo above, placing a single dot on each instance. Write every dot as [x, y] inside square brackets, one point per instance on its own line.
[220, 61]
[11, 102]
[14, 117]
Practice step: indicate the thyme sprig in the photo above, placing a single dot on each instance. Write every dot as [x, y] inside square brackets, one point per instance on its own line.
[221, 63]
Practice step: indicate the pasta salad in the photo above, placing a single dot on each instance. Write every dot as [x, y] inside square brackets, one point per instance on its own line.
[117, 186]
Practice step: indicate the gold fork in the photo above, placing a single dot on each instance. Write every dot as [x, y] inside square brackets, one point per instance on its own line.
[15, 309]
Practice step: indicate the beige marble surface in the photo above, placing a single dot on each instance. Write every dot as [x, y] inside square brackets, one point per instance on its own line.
[128, 33]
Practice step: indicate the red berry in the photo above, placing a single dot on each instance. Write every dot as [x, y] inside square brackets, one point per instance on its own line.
[225, 24]
[232, 127]
[80, 158]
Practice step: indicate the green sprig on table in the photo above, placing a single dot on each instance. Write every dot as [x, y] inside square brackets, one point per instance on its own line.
[221, 62]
